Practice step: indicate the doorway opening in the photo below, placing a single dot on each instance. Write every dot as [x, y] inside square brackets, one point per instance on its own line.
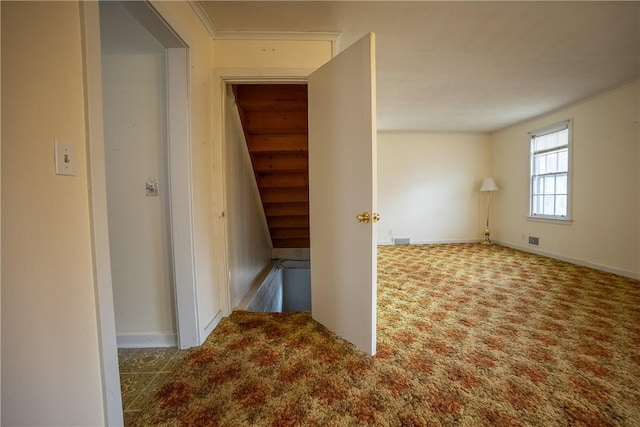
[271, 129]
[342, 181]
[173, 114]
[134, 91]
[178, 188]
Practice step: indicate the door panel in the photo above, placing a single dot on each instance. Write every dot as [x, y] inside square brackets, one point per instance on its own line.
[342, 184]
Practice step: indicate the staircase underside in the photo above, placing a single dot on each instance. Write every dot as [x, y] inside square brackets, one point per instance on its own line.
[274, 120]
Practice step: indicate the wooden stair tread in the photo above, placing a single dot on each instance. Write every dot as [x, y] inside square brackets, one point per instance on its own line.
[275, 124]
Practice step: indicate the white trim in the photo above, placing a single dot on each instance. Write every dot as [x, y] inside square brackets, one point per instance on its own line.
[181, 201]
[179, 171]
[261, 75]
[96, 177]
[432, 242]
[332, 37]
[222, 77]
[267, 275]
[212, 325]
[153, 22]
[216, 34]
[204, 18]
[0, 211]
[542, 131]
[278, 35]
[549, 220]
[546, 130]
[595, 266]
[146, 340]
[220, 168]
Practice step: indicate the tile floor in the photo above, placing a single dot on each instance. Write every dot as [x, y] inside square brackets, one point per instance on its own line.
[142, 372]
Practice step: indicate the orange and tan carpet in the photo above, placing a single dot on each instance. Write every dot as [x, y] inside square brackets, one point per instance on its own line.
[468, 335]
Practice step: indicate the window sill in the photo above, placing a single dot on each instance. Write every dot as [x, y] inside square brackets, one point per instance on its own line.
[550, 220]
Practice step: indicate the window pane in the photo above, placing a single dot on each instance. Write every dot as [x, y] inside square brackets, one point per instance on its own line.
[561, 205]
[540, 165]
[549, 173]
[549, 185]
[537, 184]
[552, 162]
[561, 184]
[549, 205]
[537, 205]
[563, 161]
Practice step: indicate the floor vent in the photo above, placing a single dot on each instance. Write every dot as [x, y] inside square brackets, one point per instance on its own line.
[401, 240]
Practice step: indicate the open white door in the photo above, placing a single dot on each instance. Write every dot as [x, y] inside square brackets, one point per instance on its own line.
[342, 185]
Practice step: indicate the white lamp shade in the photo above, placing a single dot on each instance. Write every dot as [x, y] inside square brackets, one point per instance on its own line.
[489, 185]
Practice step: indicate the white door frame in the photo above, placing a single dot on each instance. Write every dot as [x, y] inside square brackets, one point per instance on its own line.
[181, 214]
[179, 168]
[222, 77]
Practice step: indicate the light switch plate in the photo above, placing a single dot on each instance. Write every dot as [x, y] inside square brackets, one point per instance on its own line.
[65, 158]
[151, 186]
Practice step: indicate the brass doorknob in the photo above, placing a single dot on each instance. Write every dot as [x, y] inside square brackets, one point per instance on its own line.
[376, 217]
[363, 217]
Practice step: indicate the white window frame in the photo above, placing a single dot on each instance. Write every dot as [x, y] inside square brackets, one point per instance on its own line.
[556, 127]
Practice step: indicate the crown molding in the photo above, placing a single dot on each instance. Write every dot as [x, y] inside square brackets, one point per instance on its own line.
[216, 34]
[334, 38]
[204, 18]
[277, 35]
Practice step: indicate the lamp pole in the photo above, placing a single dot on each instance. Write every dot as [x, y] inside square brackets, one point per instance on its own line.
[487, 233]
[488, 185]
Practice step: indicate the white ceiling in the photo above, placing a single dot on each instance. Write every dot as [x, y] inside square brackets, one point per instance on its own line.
[466, 66]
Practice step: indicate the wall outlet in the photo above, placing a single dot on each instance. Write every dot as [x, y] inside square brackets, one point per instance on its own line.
[534, 240]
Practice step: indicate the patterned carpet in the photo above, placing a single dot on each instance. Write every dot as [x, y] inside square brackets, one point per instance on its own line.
[469, 335]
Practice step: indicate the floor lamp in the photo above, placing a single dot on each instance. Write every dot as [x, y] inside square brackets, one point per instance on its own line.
[488, 185]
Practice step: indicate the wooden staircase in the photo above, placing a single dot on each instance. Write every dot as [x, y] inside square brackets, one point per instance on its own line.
[274, 120]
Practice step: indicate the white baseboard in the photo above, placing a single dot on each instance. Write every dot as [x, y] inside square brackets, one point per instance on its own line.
[432, 242]
[572, 260]
[146, 340]
[211, 326]
[595, 266]
[445, 242]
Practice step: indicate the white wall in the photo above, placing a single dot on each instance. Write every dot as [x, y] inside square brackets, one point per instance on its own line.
[273, 54]
[50, 358]
[134, 85]
[428, 186]
[246, 223]
[605, 231]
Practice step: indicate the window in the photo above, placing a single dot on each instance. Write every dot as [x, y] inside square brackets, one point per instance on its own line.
[549, 190]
